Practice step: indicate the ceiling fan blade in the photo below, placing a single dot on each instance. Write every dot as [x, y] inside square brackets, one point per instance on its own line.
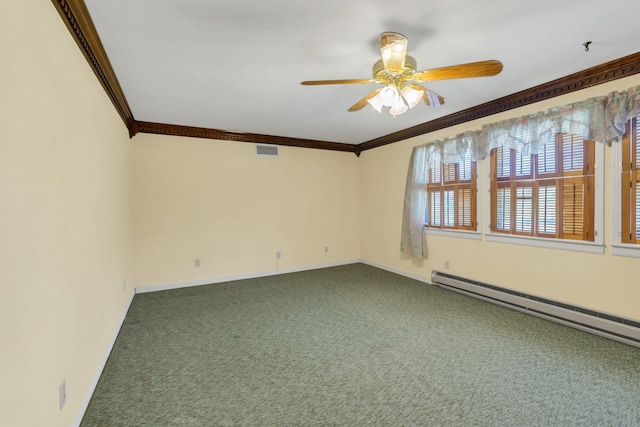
[461, 71]
[432, 99]
[429, 97]
[337, 82]
[363, 102]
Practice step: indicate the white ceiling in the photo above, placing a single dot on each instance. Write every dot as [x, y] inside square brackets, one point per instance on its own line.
[237, 65]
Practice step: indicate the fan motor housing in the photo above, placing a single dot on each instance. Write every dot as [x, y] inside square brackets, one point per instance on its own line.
[381, 73]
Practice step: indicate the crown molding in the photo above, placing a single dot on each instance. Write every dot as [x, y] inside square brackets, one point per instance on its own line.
[613, 70]
[75, 15]
[196, 132]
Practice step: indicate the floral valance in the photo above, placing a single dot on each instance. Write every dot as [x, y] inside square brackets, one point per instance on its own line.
[600, 119]
[621, 107]
[451, 150]
[585, 119]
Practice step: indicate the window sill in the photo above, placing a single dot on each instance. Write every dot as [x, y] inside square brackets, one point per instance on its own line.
[461, 234]
[567, 245]
[625, 249]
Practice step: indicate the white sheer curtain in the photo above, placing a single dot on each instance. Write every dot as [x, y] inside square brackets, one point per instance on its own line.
[602, 119]
[449, 150]
[415, 204]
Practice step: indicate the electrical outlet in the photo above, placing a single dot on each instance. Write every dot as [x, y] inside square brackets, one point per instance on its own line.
[278, 255]
[197, 263]
[446, 265]
[63, 393]
[326, 249]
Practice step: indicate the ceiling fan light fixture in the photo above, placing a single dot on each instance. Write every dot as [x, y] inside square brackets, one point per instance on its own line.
[398, 107]
[411, 96]
[399, 101]
[385, 98]
[388, 95]
[393, 47]
[376, 103]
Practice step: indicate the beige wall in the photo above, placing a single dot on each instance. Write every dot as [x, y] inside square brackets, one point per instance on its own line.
[83, 210]
[64, 223]
[602, 282]
[221, 203]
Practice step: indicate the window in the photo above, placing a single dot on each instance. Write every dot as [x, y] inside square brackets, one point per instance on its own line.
[451, 192]
[548, 195]
[630, 190]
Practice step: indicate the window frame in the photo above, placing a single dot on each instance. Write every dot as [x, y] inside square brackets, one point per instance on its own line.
[620, 155]
[464, 233]
[596, 246]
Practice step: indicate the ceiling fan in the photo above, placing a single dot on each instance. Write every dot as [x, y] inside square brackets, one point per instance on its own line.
[397, 71]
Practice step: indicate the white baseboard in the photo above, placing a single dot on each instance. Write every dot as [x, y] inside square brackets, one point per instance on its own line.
[103, 363]
[210, 281]
[425, 279]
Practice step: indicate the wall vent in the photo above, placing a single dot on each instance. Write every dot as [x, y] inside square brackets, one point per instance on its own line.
[266, 150]
[613, 327]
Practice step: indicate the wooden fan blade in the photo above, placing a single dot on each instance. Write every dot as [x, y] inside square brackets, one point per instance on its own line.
[337, 82]
[363, 102]
[461, 71]
[430, 98]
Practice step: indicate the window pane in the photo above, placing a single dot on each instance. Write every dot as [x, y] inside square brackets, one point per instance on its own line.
[556, 186]
[465, 167]
[572, 152]
[547, 154]
[572, 207]
[637, 230]
[464, 207]
[443, 210]
[524, 209]
[504, 209]
[630, 200]
[523, 164]
[449, 209]
[503, 162]
[547, 209]
[635, 142]
[434, 208]
[449, 172]
[436, 172]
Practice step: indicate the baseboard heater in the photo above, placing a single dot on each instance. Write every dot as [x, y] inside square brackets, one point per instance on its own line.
[613, 327]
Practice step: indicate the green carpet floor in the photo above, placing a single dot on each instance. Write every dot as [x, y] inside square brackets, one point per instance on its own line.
[355, 346]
